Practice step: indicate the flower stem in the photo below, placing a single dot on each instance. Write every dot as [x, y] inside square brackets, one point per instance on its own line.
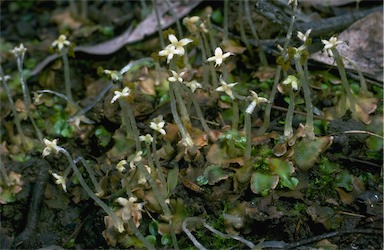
[288, 130]
[117, 222]
[67, 77]
[307, 96]
[344, 81]
[247, 125]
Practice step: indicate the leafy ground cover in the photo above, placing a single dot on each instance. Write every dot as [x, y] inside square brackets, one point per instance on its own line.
[195, 135]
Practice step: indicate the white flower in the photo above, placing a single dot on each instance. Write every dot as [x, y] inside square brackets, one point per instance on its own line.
[19, 51]
[146, 138]
[60, 180]
[329, 45]
[113, 74]
[120, 166]
[255, 100]
[193, 85]
[175, 48]
[292, 1]
[51, 147]
[126, 91]
[169, 52]
[158, 124]
[6, 78]
[219, 56]
[137, 158]
[293, 81]
[61, 42]
[303, 37]
[227, 88]
[176, 77]
[179, 45]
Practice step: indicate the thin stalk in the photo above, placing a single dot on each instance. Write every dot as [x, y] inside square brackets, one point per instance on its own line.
[116, 220]
[159, 28]
[199, 113]
[211, 66]
[307, 96]
[130, 123]
[242, 30]
[27, 97]
[226, 19]
[235, 120]
[61, 96]
[288, 130]
[204, 58]
[363, 83]
[91, 173]
[344, 81]
[157, 162]
[67, 77]
[183, 131]
[263, 58]
[183, 109]
[84, 9]
[268, 108]
[211, 34]
[13, 108]
[247, 125]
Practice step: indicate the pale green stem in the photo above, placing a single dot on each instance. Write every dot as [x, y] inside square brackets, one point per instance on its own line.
[268, 108]
[242, 31]
[288, 130]
[67, 77]
[27, 97]
[157, 162]
[13, 108]
[363, 83]
[204, 58]
[117, 222]
[247, 125]
[235, 119]
[91, 174]
[183, 109]
[199, 113]
[263, 58]
[130, 123]
[307, 97]
[183, 131]
[211, 66]
[344, 81]
[159, 28]
[211, 34]
[84, 9]
[226, 19]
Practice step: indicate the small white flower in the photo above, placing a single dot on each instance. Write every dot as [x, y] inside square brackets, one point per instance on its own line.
[136, 158]
[51, 147]
[126, 91]
[19, 51]
[304, 37]
[6, 78]
[292, 1]
[255, 99]
[60, 180]
[179, 45]
[227, 88]
[329, 45]
[158, 124]
[293, 81]
[113, 74]
[61, 42]
[219, 56]
[142, 179]
[120, 166]
[169, 52]
[193, 85]
[176, 77]
[131, 209]
[146, 138]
